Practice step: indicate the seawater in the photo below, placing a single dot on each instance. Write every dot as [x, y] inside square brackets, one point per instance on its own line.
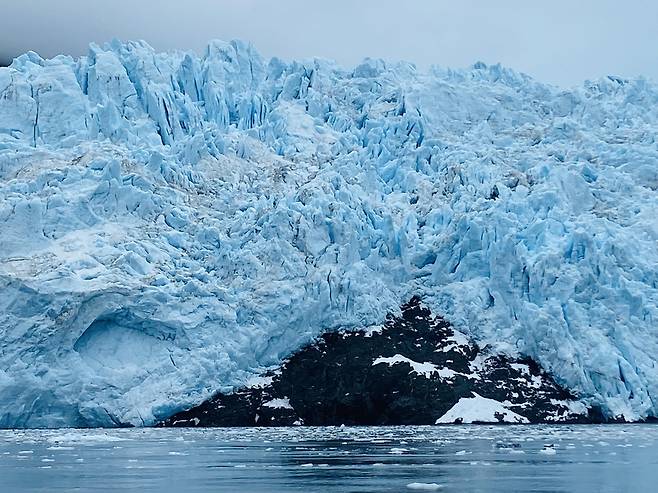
[564, 458]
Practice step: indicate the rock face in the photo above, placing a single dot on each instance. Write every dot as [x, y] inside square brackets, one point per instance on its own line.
[414, 369]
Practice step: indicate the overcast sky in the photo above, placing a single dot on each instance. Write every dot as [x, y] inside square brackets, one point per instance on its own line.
[558, 41]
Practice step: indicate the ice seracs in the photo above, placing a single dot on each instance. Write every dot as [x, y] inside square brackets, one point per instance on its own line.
[218, 211]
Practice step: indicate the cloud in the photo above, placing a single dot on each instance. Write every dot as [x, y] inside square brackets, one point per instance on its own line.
[561, 42]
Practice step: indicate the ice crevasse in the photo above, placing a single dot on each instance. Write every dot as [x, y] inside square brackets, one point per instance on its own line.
[171, 224]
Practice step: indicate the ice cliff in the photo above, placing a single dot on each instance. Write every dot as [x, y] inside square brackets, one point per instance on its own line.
[170, 224]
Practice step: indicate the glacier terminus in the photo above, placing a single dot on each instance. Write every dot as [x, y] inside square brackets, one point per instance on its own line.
[173, 224]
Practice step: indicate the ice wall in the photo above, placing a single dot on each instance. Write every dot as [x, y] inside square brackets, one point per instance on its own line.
[171, 223]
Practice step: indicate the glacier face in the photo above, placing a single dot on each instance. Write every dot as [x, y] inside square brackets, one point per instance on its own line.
[172, 223]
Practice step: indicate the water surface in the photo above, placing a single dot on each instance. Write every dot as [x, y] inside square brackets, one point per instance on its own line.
[611, 458]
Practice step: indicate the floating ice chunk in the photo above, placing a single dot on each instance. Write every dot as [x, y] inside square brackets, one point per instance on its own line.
[424, 486]
[398, 450]
[83, 438]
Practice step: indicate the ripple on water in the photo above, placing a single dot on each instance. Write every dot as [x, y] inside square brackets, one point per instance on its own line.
[330, 460]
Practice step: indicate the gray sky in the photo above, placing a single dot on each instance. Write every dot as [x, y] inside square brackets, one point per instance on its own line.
[558, 41]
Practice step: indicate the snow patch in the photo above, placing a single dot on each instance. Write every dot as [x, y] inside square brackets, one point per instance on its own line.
[425, 369]
[283, 403]
[259, 382]
[375, 329]
[481, 410]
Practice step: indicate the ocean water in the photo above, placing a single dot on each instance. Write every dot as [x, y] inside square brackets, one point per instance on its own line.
[611, 458]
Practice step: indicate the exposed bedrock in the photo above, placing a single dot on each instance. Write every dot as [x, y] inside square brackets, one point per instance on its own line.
[415, 369]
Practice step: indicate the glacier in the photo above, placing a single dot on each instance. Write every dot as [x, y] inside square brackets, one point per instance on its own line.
[173, 223]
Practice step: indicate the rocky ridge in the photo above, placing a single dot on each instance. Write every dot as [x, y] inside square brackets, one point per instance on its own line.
[414, 369]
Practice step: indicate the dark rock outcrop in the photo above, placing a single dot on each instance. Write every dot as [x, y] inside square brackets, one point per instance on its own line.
[412, 370]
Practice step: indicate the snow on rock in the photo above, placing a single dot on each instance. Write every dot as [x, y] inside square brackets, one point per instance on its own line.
[572, 407]
[258, 381]
[478, 409]
[334, 380]
[279, 404]
[426, 369]
[171, 223]
[548, 450]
